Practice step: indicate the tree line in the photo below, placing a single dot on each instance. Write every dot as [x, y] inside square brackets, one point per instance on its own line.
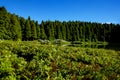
[14, 27]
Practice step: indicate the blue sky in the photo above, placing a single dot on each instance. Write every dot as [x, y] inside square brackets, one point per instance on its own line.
[65, 10]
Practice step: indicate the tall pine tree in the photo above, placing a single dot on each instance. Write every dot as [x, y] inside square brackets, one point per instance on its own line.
[22, 24]
[4, 24]
[33, 31]
[27, 29]
[37, 29]
[42, 31]
[15, 28]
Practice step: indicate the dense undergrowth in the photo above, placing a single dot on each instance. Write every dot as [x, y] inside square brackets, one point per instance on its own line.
[33, 61]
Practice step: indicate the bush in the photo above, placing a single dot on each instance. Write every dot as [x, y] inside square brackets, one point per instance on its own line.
[32, 61]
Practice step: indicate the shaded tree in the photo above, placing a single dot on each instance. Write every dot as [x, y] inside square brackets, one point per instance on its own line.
[27, 29]
[22, 22]
[33, 31]
[42, 31]
[15, 28]
[37, 30]
[4, 24]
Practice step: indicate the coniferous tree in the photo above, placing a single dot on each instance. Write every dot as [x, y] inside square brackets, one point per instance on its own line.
[33, 31]
[73, 32]
[58, 28]
[83, 25]
[15, 28]
[87, 31]
[77, 31]
[42, 31]
[80, 32]
[22, 24]
[37, 30]
[27, 29]
[109, 32]
[55, 29]
[51, 31]
[68, 36]
[47, 28]
[4, 24]
[63, 31]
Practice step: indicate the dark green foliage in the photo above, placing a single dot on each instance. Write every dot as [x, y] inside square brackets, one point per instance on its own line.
[63, 30]
[4, 24]
[50, 30]
[22, 24]
[68, 37]
[37, 30]
[27, 30]
[58, 30]
[42, 31]
[33, 31]
[13, 27]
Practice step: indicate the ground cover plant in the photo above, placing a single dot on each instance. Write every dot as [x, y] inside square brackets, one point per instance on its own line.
[30, 60]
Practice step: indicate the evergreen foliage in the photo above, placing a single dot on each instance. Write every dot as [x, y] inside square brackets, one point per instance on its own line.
[33, 31]
[13, 27]
[27, 30]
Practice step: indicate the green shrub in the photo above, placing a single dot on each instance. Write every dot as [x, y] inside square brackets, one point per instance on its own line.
[33, 61]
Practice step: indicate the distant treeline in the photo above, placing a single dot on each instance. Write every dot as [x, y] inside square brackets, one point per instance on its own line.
[13, 27]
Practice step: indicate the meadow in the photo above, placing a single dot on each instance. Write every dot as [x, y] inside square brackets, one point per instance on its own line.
[31, 60]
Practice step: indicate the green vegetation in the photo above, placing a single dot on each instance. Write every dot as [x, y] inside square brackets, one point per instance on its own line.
[13, 27]
[33, 51]
[30, 60]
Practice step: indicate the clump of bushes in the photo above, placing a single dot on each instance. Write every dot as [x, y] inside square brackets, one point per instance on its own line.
[33, 61]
